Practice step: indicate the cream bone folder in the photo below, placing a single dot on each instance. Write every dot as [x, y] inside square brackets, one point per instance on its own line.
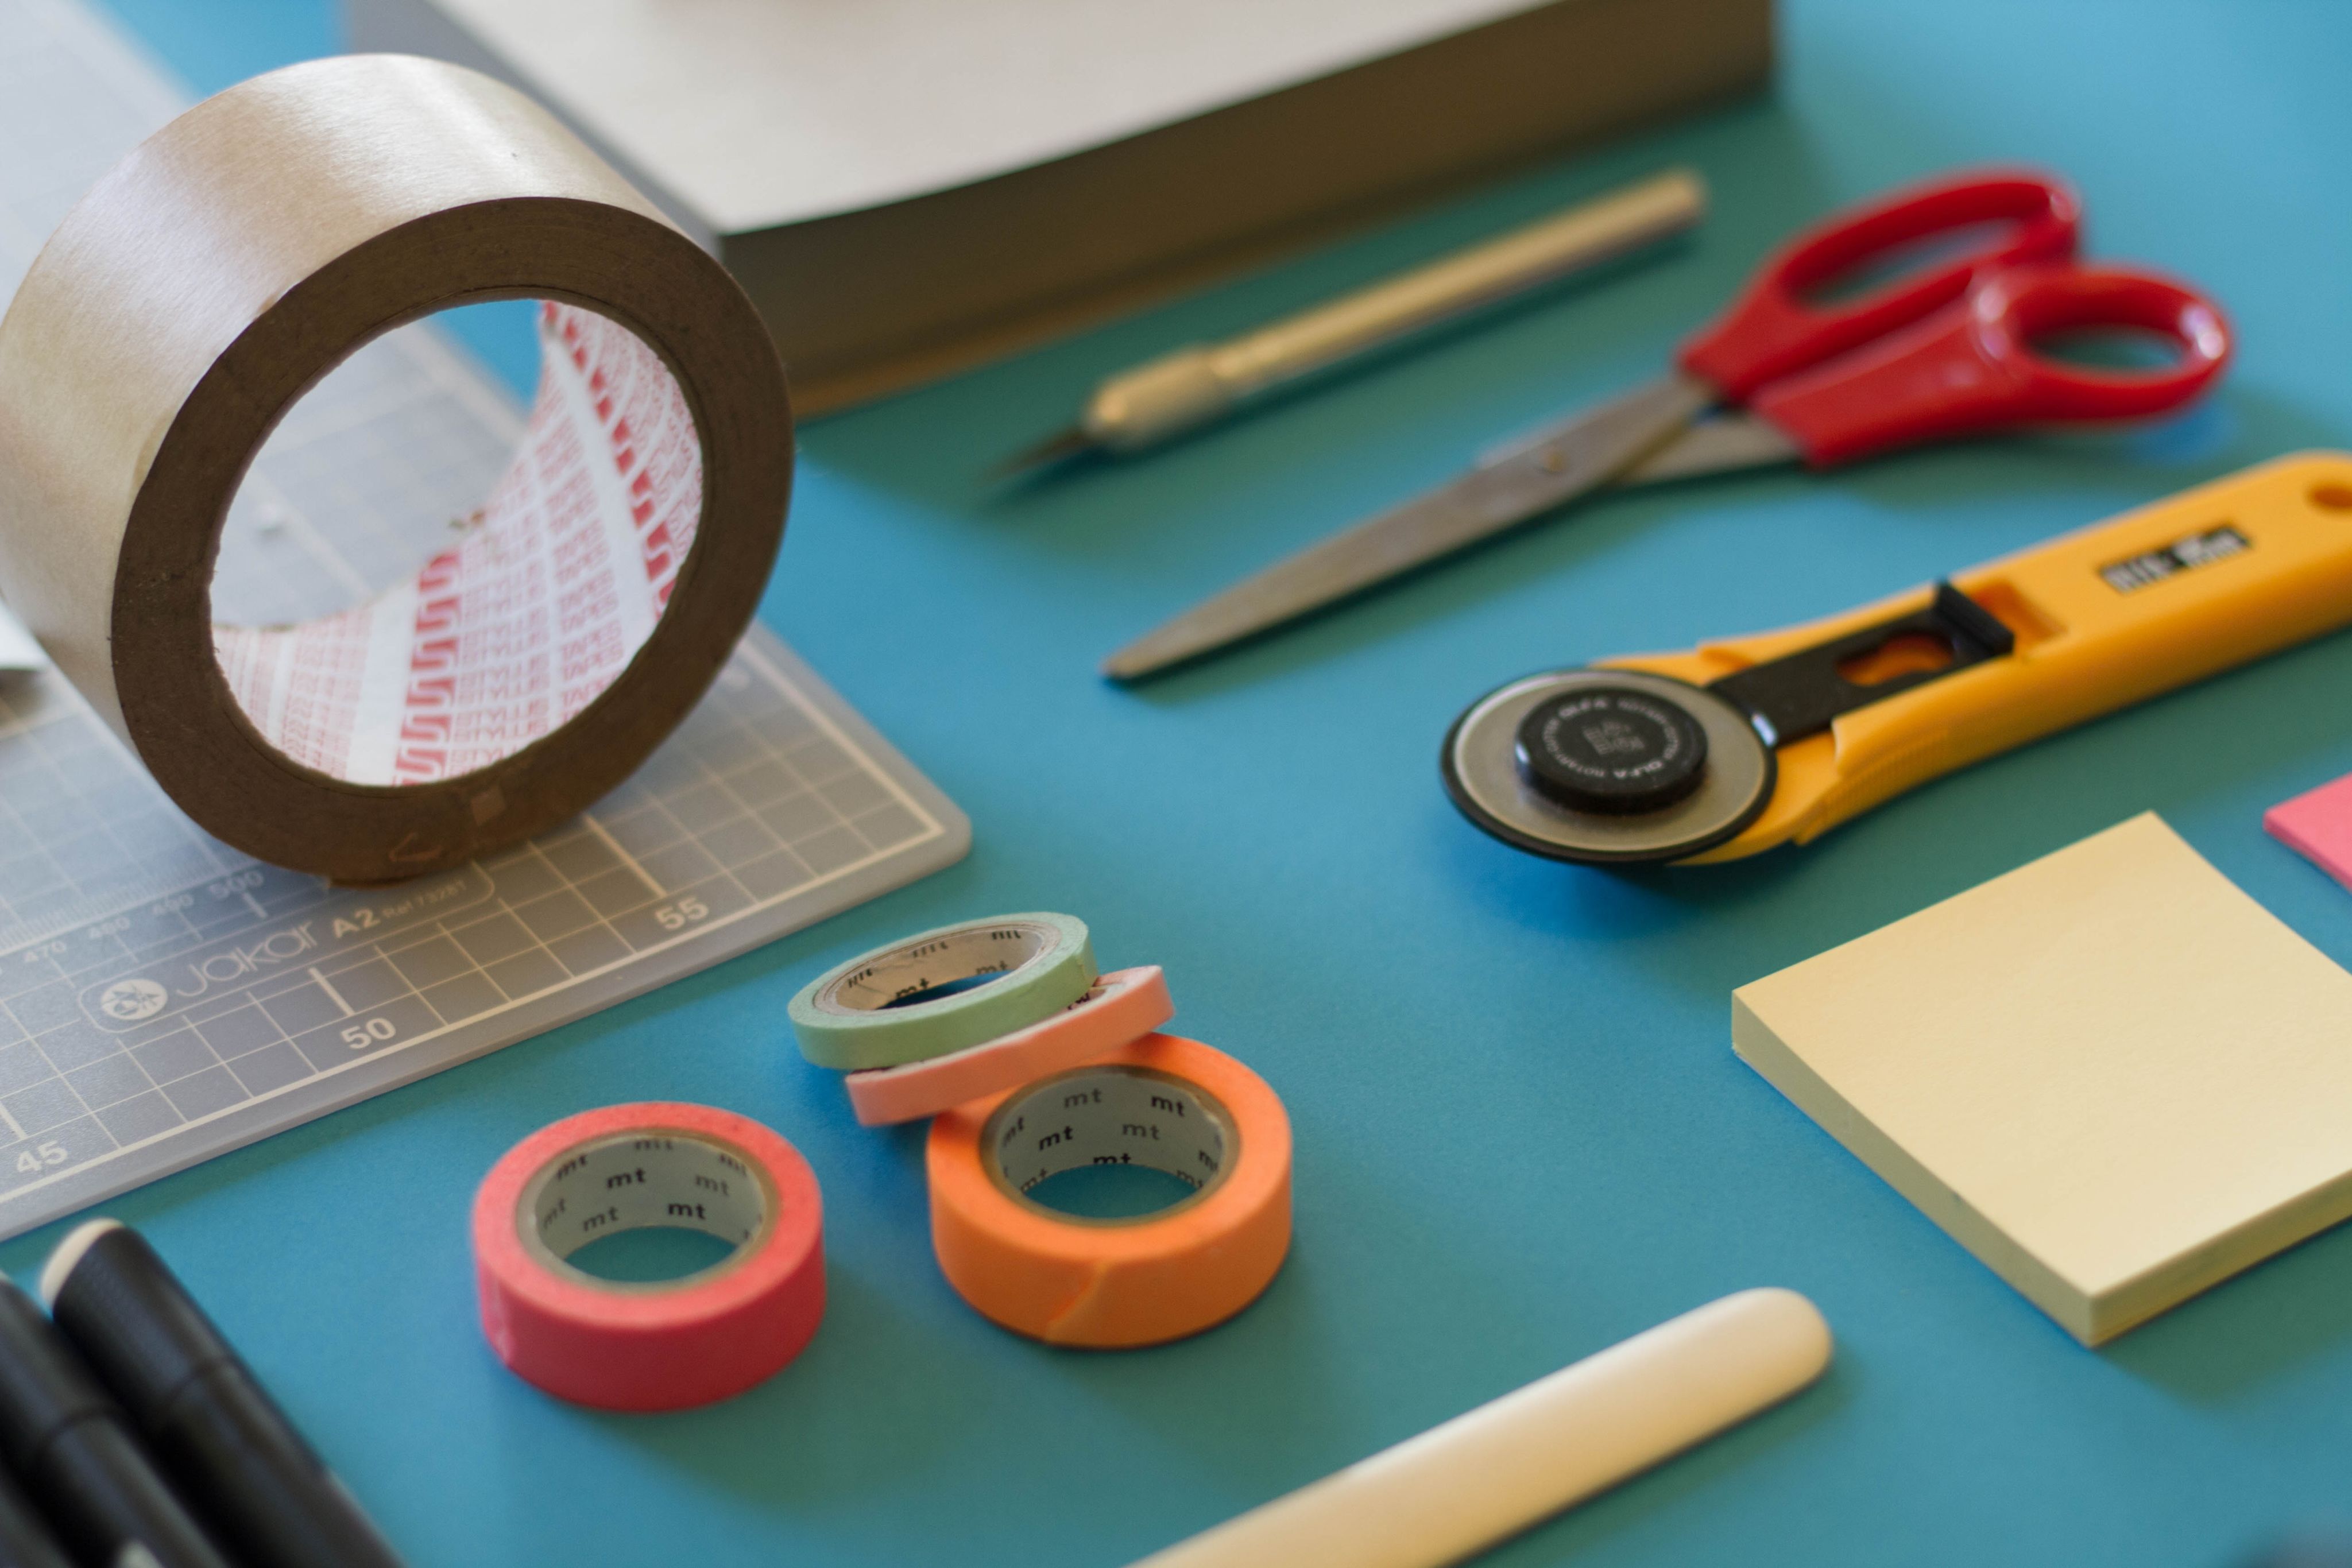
[216, 273]
[1462, 1486]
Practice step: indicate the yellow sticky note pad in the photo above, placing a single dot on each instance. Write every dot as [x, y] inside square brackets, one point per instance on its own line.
[2110, 1075]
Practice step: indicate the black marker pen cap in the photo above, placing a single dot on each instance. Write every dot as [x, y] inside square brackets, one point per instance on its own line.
[217, 1431]
[74, 1449]
[129, 1316]
[25, 1538]
[44, 1388]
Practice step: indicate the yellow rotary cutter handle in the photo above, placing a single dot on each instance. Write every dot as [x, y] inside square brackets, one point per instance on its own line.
[1734, 747]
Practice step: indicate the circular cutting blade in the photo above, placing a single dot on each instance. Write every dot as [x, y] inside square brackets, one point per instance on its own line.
[1488, 778]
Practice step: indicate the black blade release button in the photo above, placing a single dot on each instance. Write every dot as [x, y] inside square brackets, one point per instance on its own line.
[1612, 750]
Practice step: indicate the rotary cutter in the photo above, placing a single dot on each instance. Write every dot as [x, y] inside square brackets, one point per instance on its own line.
[1731, 747]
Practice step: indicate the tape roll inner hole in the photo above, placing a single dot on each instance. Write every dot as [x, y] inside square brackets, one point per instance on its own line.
[525, 611]
[940, 968]
[645, 1181]
[1110, 1117]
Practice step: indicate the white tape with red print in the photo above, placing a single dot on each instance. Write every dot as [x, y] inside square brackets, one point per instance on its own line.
[210, 280]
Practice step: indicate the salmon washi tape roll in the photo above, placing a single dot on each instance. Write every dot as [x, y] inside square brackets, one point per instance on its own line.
[943, 990]
[1122, 1006]
[207, 282]
[675, 1342]
[1164, 1100]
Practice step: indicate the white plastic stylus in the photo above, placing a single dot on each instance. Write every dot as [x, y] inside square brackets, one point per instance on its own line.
[1458, 1489]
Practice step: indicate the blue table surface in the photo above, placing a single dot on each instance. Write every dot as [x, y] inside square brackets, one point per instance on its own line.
[1521, 1131]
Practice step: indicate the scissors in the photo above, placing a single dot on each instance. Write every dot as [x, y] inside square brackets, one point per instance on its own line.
[1944, 349]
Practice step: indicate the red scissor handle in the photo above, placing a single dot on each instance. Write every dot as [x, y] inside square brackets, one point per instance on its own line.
[1973, 367]
[1771, 332]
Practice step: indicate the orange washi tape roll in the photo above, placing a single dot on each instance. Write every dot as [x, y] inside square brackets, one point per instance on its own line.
[1164, 1100]
[675, 1343]
[1119, 1006]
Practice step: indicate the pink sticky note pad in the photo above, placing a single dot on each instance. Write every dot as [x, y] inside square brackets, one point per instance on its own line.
[2317, 826]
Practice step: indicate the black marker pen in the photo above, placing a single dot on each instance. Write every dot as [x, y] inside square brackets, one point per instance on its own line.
[223, 1440]
[73, 1447]
[25, 1538]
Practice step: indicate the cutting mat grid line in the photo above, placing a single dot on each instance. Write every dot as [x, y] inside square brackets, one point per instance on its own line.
[252, 983]
[163, 996]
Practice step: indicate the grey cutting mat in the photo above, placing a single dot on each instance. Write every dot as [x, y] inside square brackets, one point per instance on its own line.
[162, 996]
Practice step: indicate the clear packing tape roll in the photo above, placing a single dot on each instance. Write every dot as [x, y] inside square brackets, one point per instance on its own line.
[216, 274]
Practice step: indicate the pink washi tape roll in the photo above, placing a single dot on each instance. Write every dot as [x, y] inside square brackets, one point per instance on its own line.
[675, 1343]
[1119, 1007]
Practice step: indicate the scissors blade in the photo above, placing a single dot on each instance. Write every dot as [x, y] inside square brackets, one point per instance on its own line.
[1718, 445]
[1508, 488]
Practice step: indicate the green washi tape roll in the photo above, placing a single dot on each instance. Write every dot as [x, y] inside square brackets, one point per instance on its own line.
[1024, 968]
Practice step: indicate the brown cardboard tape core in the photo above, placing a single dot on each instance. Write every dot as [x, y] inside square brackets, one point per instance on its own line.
[209, 280]
[531, 615]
